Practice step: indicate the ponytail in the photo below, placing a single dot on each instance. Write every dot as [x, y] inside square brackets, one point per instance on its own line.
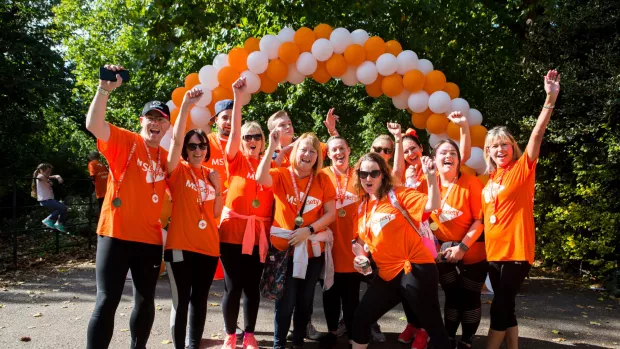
[42, 167]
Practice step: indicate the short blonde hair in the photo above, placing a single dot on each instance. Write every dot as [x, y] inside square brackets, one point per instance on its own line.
[384, 138]
[499, 133]
[271, 122]
[250, 125]
[316, 144]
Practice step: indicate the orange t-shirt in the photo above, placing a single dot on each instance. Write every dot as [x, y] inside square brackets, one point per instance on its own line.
[183, 232]
[217, 158]
[459, 211]
[100, 172]
[391, 239]
[137, 219]
[244, 189]
[344, 228]
[286, 161]
[512, 237]
[420, 183]
[286, 204]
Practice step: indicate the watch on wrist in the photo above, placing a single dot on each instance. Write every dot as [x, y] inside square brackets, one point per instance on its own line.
[311, 229]
[463, 247]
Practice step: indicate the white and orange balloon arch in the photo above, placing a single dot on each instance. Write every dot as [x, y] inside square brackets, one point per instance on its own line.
[353, 57]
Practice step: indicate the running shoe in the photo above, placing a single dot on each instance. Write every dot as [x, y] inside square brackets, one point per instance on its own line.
[230, 342]
[377, 335]
[421, 339]
[342, 328]
[49, 223]
[312, 333]
[408, 334]
[60, 227]
[249, 342]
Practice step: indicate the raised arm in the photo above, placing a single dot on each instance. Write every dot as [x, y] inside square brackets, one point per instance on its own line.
[262, 172]
[434, 197]
[234, 139]
[552, 88]
[218, 205]
[465, 137]
[176, 146]
[330, 122]
[399, 153]
[95, 118]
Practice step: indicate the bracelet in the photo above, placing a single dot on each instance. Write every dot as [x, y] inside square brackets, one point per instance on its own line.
[311, 228]
[103, 91]
[396, 141]
[550, 106]
[463, 247]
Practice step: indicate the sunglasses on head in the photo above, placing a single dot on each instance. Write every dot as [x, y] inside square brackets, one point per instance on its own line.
[381, 149]
[365, 174]
[256, 137]
[193, 146]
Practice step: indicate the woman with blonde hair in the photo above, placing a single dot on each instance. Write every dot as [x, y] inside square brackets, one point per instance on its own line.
[508, 209]
[42, 191]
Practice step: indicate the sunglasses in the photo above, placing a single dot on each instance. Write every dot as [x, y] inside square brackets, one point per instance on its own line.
[384, 150]
[193, 146]
[256, 137]
[372, 174]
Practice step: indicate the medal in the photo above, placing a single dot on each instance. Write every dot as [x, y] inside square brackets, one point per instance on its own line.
[202, 224]
[299, 221]
[117, 202]
[153, 173]
[434, 226]
[493, 219]
[155, 198]
[255, 203]
[342, 213]
[341, 192]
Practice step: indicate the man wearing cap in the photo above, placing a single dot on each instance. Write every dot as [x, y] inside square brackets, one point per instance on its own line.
[129, 231]
[218, 141]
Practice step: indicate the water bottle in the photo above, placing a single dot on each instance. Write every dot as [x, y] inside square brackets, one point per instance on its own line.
[358, 251]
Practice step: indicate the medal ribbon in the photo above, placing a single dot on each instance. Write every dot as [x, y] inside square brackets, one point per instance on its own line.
[499, 185]
[366, 224]
[156, 169]
[290, 169]
[258, 186]
[199, 189]
[118, 183]
[445, 198]
[340, 193]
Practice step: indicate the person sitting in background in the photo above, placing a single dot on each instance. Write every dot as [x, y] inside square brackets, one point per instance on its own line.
[42, 191]
[99, 174]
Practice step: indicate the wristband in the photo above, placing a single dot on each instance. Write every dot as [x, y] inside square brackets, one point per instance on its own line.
[311, 229]
[549, 106]
[103, 91]
[397, 141]
[463, 247]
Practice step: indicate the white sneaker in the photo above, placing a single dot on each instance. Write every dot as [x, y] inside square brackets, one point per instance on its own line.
[311, 332]
[342, 329]
[376, 334]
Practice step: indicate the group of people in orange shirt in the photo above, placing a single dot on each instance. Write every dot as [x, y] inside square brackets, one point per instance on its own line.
[386, 215]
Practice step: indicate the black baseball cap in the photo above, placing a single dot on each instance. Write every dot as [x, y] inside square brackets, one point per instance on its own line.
[224, 104]
[162, 108]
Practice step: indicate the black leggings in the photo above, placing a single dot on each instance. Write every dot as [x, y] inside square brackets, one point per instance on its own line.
[190, 275]
[418, 288]
[506, 279]
[345, 291]
[114, 258]
[462, 285]
[242, 273]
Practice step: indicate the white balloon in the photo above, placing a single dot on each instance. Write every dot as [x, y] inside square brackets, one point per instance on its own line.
[367, 73]
[206, 96]
[476, 160]
[208, 76]
[269, 44]
[286, 35]
[200, 116]
[322, 49]
[252, 81]
[257, 62]
[220, 61]
[359, 36]
[402, 100]
[306, 63]
[245, 99]
[294, 76]
[166, 139]
[350, 76]
[340, 39]
[459, 104]
[425, 66]
[387, 64]
[439, 102]
[171, 105]
[474, 117]
[433, 139]
[407, 60]
[418, 101]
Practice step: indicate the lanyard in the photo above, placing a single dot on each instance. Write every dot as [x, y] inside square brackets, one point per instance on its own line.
[199, 189]
[366, 224]
[499, 186]
[118, 183]
[253, 174]
[156, 169]
[445, 198]
[218, 144]
[341, 193]
[297, 190]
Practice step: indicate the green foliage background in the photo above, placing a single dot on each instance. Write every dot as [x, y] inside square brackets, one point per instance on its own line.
[496, 51]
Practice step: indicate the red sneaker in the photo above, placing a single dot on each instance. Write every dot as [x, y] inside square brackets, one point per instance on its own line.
[421, 339]
[408, 334]
[249, 342]
[230, 342]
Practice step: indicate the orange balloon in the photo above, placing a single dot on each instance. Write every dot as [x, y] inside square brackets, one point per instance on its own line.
[277, 70]
[414, 80]
[392, 85]
[191, 80]
[174, 114]
[374, 89]
[177, 95]
[393, 47]
[468, 170]
[288, 52]
[266, 84]
[452, 90]
[212, 106]
[419, 120]
[483, 178]
[304, 38]
[238, 58]
[251, 45]
[453, 130]
[435, 81]
[320, 74]
[374, 47]
[355, 55]
[437, 123]
[336, 65]
[323, 31]
[227, 76]
[478, 135]
[221, 93]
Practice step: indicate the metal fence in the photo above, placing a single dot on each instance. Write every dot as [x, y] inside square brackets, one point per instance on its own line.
[21, 230]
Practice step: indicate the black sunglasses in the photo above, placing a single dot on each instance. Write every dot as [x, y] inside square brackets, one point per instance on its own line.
[381, 149]
[363, 174]
[193, 146]
[256, 137]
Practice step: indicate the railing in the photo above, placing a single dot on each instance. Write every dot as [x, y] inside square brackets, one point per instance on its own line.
[21, 231]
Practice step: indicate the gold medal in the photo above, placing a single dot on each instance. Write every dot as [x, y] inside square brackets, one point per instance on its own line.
[434, 226]
[342, 213]
[117, 202]
[255, 203]
[493, 219]
[155, 198]
[202, 224]
[299, 221]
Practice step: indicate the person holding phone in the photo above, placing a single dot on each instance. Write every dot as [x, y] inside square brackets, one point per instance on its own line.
[129, 230]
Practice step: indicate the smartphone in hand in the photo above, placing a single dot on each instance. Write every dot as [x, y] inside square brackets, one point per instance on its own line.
[110, 75]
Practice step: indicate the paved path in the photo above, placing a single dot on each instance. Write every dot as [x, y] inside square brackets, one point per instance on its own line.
[64, 298]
